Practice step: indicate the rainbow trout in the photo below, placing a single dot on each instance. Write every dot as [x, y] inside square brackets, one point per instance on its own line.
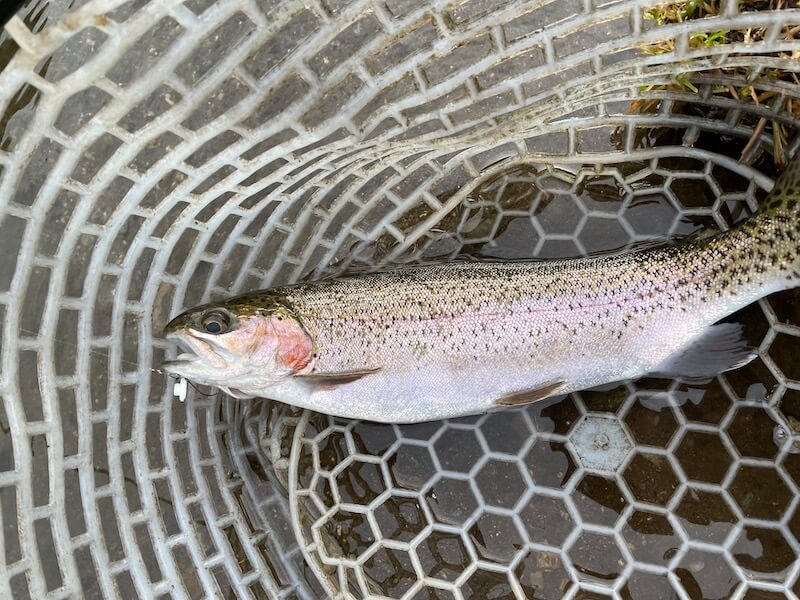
[432, 342]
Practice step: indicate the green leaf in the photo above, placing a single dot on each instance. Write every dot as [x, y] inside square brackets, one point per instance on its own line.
[719, 37]
[683, 81]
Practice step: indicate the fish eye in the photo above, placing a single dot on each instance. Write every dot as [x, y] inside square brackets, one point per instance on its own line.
[216, 322]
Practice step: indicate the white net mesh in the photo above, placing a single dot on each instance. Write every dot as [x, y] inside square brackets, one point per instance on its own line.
[154, 155]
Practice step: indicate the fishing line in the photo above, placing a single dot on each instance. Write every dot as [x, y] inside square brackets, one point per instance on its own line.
[65, 343]
[122, 361]
[196, 389]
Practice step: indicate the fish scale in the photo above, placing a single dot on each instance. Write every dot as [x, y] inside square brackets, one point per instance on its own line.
[420, 343]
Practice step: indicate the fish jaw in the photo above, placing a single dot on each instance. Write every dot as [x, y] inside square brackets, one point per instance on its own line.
[201, 358]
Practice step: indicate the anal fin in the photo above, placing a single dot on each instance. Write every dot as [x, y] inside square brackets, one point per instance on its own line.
[527, 396]
[721, 348]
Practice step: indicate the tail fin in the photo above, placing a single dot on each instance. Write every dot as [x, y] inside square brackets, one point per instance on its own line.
[772, 236]
[761, 255]
[784, 199]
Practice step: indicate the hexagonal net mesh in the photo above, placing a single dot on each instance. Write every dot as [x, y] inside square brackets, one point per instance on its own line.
[154, 155]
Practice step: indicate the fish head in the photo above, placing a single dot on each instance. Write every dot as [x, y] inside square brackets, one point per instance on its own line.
[243, 343]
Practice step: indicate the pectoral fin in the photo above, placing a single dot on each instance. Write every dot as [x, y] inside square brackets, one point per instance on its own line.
[234, 393]
[528, 396]
[721, 348]
[329, 381]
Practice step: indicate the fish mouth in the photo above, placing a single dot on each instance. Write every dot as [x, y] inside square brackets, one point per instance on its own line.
[195, 352]
[187, 355]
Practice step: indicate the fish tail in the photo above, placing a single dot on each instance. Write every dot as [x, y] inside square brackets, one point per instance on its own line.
[774, 232]
[784, 199]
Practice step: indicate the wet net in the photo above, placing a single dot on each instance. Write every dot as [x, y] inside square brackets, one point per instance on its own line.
[156, 155]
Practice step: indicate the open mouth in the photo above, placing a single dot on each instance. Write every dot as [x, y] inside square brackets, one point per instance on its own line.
[193, 350]
[190, 351]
